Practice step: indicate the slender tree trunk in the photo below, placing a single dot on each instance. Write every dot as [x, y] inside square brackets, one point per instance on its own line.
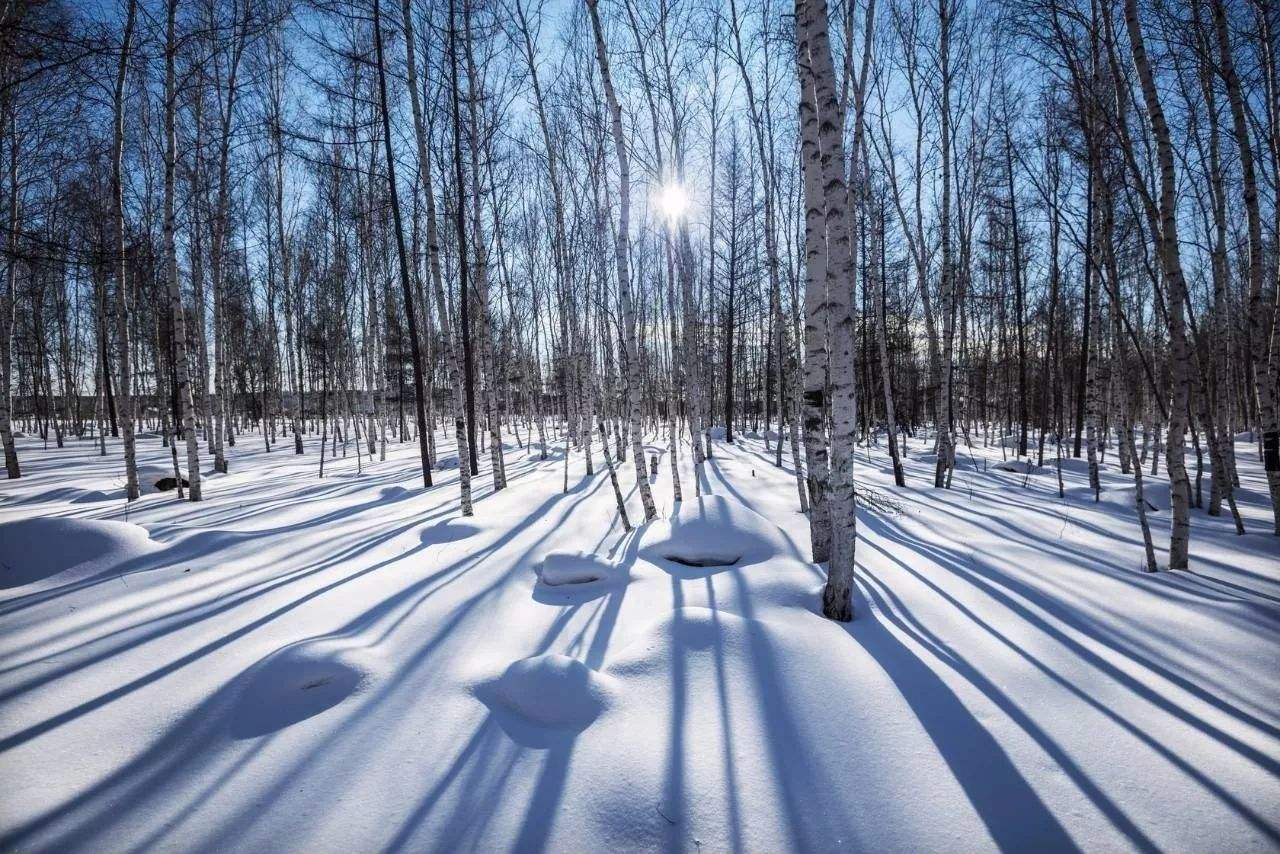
[946, 442]
[411, 315]
[613, 478]
[1171, 263]
[185, 402]
[621, 247]
[882, 344]
[7, 301]
[448, 341]
[1261, 318]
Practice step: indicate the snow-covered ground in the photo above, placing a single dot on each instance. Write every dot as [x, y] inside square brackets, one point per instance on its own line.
[346, 664]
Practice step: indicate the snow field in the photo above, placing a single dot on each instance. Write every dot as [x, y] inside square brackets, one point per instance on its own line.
[346, 663]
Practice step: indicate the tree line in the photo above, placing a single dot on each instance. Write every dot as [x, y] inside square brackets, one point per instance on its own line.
[1049, 225]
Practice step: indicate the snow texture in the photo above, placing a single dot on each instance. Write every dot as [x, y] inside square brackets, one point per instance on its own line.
[347, 664]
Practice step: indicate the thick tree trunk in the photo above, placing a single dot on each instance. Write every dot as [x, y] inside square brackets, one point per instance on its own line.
[817, 71]
[815, 300]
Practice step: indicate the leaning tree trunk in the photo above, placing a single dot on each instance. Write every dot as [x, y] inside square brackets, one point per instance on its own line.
[1110, 272]
[1261, 320]
[632, 353]
[1171, 263]
[411, 315]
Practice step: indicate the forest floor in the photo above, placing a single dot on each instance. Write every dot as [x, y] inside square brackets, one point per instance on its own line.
[347, 664]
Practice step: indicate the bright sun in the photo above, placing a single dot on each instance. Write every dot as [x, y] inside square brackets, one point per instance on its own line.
[672, 200]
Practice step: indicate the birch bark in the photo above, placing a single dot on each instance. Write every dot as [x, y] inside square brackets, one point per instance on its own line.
[620, 252]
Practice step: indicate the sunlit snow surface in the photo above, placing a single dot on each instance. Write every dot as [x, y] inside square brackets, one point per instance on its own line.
[346, 664]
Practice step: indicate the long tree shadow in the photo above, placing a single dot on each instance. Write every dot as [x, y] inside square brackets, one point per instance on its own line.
[378, 622]
[202, 546]
[809, 797]
[1013, 813]
[195, 743]
[555, 748]
[1013, 593]
[917, 630]
[726, 728]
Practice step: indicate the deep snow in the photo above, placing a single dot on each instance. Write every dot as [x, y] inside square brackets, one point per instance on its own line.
[348, 664]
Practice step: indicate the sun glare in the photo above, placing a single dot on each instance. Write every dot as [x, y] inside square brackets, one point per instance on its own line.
[672, 201]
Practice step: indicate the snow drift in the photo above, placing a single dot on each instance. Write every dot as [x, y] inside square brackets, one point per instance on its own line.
[33, 550]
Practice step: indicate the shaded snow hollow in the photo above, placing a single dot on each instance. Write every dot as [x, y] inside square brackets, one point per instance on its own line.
[707, 534]
[565, 568]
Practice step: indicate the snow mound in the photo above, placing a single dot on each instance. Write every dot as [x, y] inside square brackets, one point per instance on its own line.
[682, 630]
[448, 531]
[575, 568]
[295, 683]
[1156, 494]
[1018, 466]
[1076, 464]
[1246, 436]
[711, 532]
[32, 550]
[717, 432]
[548, 691]
[152, 477]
